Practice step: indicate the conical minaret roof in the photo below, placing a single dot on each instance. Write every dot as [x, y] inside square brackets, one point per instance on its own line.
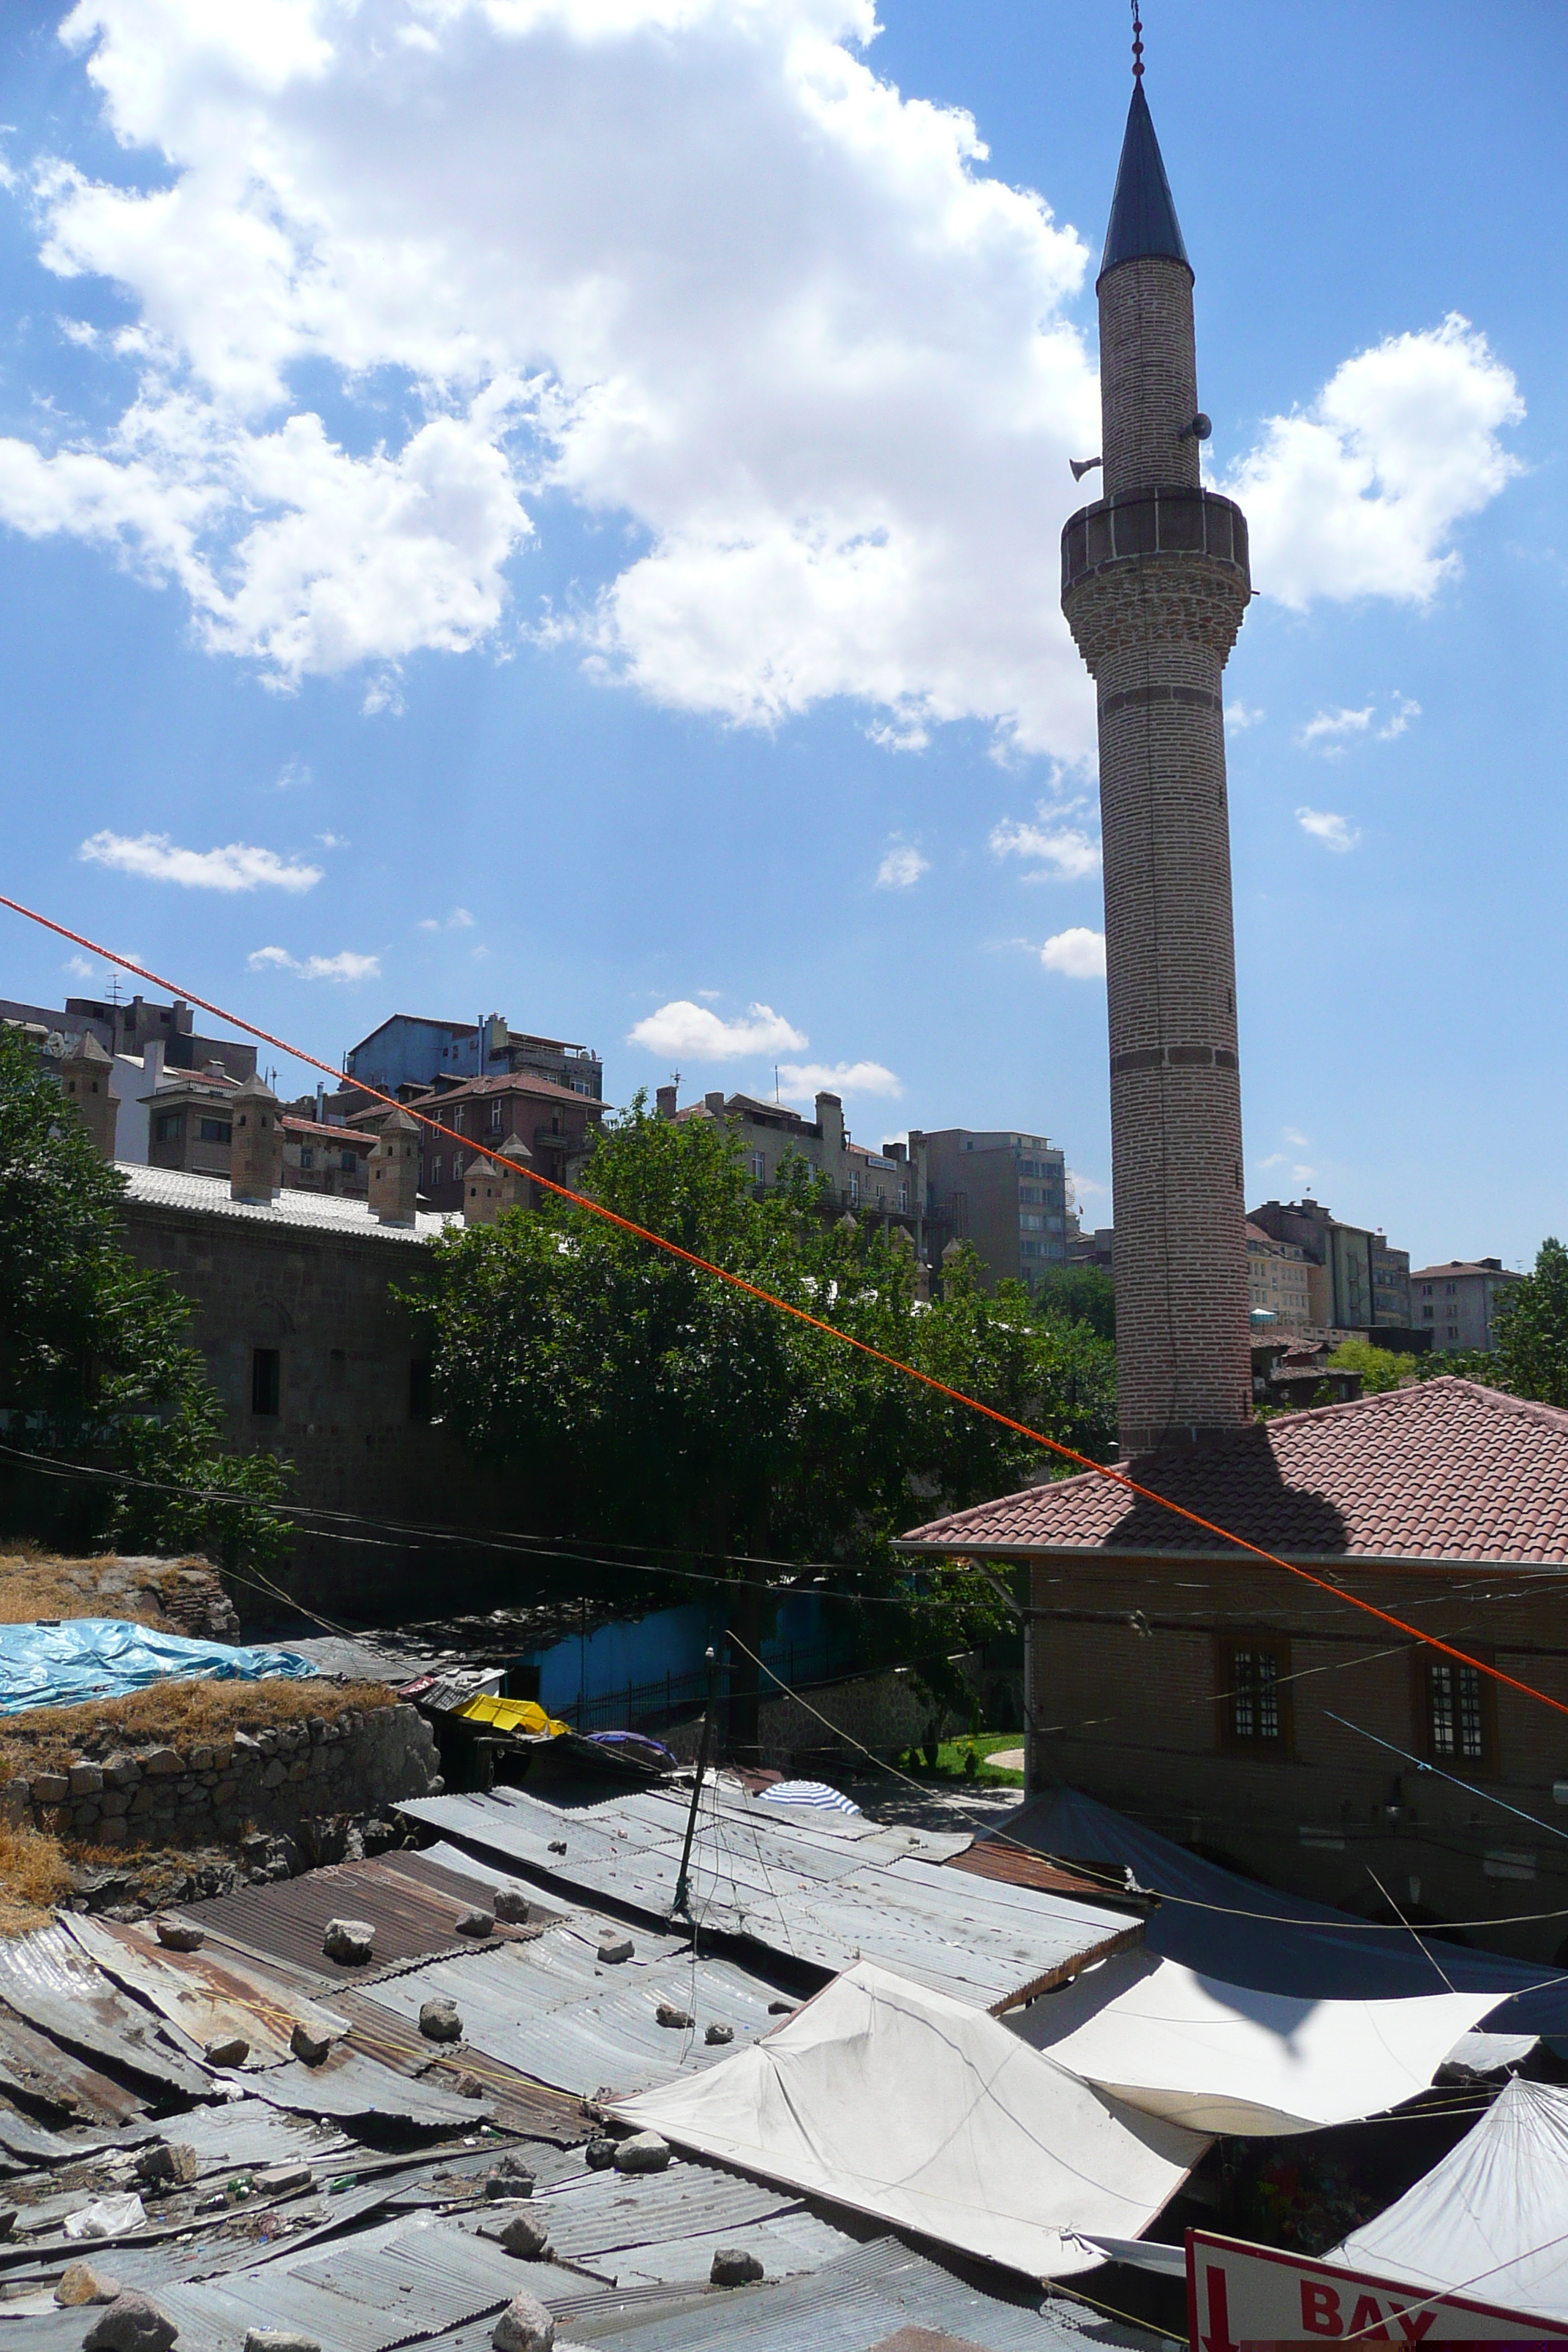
[1142, 213]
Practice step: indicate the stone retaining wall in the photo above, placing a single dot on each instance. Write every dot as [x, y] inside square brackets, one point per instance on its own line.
[270, 1780]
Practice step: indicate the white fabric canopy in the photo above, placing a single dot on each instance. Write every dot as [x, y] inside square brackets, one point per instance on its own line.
[1490, 2221]
[1219, 2058]
[899, 2101]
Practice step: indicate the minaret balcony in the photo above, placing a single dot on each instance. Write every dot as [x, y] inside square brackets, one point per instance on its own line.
[1175, 521]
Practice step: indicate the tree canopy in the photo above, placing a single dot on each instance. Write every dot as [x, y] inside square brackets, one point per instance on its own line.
[1078, 1294]
[660, 1405]
[94, 1366]
[1532, 1357]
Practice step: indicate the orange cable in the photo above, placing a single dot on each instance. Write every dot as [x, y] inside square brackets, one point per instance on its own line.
[769, 1298]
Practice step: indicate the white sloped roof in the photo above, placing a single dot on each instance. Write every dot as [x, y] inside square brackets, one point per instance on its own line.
[322, 1212]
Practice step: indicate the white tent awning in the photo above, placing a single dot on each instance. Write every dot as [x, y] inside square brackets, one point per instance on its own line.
[1492, 2220]
[896, 2100]
[1219, 2058]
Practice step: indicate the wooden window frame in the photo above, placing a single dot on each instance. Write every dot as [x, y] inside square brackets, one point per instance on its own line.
[1228, 1648]
[1484, 1767]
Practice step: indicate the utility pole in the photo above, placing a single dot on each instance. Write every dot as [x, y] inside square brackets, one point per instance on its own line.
[678, 1909]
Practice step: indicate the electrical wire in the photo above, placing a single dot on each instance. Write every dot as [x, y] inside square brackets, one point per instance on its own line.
[800, 1314]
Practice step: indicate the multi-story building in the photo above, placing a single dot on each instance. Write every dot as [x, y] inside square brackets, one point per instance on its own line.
[409, 1054]
[890, 1185]
[189, 1126]
[1458, 1303]
[555, 1124]
[130, 1028]
[1004, 1192]
[1357, 1281]
[1279, 1288]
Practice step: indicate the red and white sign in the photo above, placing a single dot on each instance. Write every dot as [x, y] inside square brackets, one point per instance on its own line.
[1241, 2296]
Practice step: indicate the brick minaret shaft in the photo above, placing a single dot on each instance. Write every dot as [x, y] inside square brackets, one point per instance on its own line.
[1154, 586]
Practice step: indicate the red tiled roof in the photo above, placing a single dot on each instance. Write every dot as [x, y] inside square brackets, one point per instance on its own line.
[1447, 1470]
[504, 1082]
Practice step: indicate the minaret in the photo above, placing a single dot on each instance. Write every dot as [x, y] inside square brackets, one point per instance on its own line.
[1154, 586]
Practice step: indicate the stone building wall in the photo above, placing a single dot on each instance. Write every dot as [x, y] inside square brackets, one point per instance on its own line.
[271, 1780]
[1132, 1661]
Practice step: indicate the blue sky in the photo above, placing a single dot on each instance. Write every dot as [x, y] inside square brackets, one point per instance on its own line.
[564, 494]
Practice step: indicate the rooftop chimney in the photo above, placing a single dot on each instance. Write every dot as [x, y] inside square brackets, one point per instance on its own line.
[85, 1070]
[394, 1171]
[487, 1189]
[256, 1155]
[665, 1102]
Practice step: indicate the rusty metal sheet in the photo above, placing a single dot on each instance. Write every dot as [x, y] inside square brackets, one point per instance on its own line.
[518, 2104]
[285, 1919]
[49, 1981]
[348, 2082]
[36, 2068]
[202, 1997]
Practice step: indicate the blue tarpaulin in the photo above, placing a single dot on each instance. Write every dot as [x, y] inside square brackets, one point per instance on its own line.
[103, 1657]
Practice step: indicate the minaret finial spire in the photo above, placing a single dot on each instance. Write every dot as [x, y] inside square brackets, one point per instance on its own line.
[1137, 44]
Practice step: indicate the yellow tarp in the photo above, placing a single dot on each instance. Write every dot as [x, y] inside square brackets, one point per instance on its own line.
[513, 1715]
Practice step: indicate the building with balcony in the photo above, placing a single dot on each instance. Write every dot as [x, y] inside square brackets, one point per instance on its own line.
[1278, 1291]
[409, 1054]
[889, 1184]
[1356, 1281]
[557, 1125]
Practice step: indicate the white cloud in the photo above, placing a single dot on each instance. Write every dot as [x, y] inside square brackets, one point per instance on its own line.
[1361, 494]
[333, 841]
[803, 1081]
[78, 966]
[293, 775]
[345, 965]
[1335, 832]
[1294, 1135]
[1084, 1187]
[1239, 717]
[239, 866]
[1061, 852]
[1077, 953]
[1404, 713]
[689, 265]
[690, 262]
[682, 1027]
[1329, 731]
[901, 868]
[460, 919]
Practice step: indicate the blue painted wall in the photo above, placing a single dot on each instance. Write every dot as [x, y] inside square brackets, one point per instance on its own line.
[670, 1641]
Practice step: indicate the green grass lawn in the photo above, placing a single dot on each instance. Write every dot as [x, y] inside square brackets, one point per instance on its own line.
[952, 1758]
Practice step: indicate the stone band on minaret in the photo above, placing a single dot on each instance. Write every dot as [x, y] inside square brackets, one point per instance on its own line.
[1154, 586]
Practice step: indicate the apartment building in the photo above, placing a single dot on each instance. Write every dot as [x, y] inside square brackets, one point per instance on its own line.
[1357, 1281]
[556, 1126]
[1458, 1303]
[1005, 1193]
[890, 1185]
[409, 1054]
[1279, 1290]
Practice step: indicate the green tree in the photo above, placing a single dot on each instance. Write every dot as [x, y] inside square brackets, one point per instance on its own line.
[94, 1367]
[1533, 1330]
[1078, 1294]
[1380, 1367]
[654, 1403]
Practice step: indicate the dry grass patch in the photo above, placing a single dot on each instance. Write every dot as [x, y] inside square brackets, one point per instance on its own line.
[181, 1714]
[37, 1585]
[34, 1877]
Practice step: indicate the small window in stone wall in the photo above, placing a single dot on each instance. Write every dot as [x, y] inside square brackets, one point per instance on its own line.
[265, 1382]
[1254, 1695]
[1460, 1714]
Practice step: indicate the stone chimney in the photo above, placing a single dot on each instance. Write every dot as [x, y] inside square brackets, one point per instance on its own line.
[394, 1171]
[488, 1189]
[665, 1102]
[85, 1072]
[255, 1156]
[715, 1102]
[830, 1120]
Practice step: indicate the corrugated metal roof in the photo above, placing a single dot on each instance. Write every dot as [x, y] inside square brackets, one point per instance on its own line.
[350, 2083]
[806, 1890]
[201, 1999]
[285, 1919]
[516, 2103]
[851, 2305]
[46, 1980]
[554, 2009]
[38, 2068]
[344, 1218]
